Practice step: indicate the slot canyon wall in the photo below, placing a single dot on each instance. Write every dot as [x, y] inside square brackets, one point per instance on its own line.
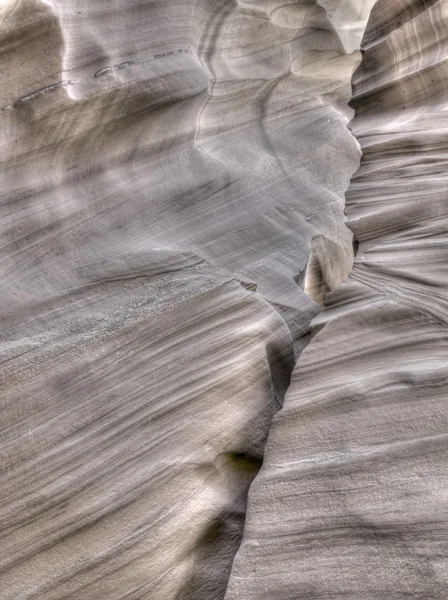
[351, 499]
[174, 176]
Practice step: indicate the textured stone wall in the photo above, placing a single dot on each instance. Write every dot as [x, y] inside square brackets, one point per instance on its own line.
[173, 179]
[351, 499]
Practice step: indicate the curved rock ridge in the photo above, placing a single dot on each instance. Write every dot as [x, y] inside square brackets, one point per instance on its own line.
[222, 123]
[351, 499]
[166, 168]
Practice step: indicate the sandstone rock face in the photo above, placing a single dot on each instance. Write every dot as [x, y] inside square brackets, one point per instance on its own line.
[172, 216]
[351, 499]
[165, 168]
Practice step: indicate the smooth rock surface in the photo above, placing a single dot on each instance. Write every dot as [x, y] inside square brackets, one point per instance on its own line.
[351, 501]
[160, 162]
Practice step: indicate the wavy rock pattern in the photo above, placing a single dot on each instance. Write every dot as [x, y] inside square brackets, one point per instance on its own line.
[351, 499]
[154, 155]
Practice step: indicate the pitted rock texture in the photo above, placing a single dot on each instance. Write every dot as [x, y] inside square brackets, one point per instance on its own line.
[166, 168]
[351, 498]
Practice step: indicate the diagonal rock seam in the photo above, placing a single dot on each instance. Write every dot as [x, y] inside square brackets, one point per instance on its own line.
[326, 268]
[328, 264]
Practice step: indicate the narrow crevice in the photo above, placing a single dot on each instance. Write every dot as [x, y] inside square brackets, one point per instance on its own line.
[322, 274]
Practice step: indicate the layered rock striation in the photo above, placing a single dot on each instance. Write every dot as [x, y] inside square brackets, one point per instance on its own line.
[172, 216]
[166, 168]
[351, 499]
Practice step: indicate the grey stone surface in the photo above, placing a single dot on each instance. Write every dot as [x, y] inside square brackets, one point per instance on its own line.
[172, 195]
[351, 499]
